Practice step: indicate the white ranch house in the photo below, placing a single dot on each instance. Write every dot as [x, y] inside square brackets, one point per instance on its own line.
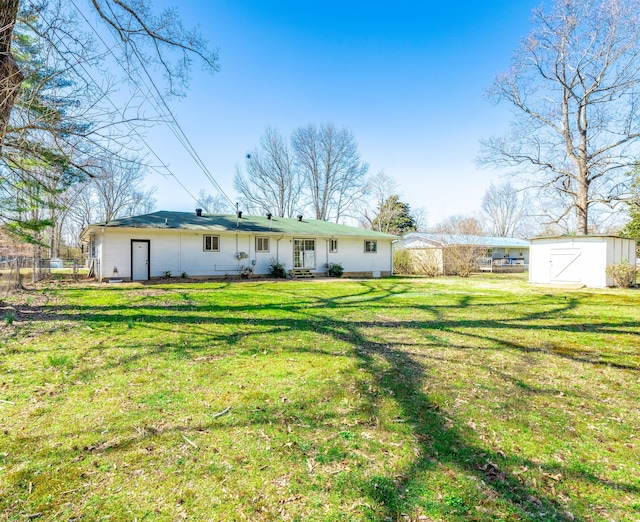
[206, 245]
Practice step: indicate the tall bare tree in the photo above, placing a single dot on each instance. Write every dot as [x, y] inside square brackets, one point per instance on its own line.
[573, 85]
[83, 210]
[331, 168]
[217, 204]
[55, 112]
[118, 190]
[459, 225]
[144, 37]
[505, 209]
[461, 251]
[272, 181]
[378, 188]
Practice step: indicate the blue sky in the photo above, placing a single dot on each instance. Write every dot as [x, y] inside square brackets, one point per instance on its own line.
[406, 77]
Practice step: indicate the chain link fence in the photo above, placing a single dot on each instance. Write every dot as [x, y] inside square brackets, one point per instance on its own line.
[17, 271]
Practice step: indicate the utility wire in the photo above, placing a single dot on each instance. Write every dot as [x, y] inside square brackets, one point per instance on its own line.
[131, 127]
[160, 104]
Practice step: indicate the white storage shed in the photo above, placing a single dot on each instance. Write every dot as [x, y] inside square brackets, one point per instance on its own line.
[578, 259]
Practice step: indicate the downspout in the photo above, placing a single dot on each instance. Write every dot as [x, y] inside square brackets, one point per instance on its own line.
[255, 250]
[278, 248]
[326, 252]
[391, 255]
[101, 254]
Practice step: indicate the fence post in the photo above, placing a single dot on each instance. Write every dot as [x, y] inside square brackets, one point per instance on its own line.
[75, 270]
[18, 273]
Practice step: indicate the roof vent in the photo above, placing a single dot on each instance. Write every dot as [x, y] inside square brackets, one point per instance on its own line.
[269, 215]
[299, 217]
[199, 212]
[239, 213]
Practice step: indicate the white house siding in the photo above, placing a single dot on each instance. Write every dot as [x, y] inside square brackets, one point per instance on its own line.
[355, 260]
[350, 255]
[95, 253]
[181, 252]
[170, 251]
[578, 260]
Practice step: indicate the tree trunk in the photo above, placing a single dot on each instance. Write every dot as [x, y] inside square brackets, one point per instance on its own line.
[10, 75]
[582, 206]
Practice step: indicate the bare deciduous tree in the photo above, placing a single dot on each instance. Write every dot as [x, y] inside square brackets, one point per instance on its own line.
[378, 188]
[461, 252]
[117, 188]
[144, 38]
[331, 168]
[217, 204]
[574, 86]
[272, 182]
[462, 225]
[56, 116]
[505, 209]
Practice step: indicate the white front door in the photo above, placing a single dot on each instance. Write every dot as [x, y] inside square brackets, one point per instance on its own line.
[304, 254]
[139, 260]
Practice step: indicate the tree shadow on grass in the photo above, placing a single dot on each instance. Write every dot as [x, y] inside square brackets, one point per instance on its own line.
[439, 441]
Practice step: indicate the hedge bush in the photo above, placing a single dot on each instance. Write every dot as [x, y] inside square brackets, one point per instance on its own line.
[623, 275]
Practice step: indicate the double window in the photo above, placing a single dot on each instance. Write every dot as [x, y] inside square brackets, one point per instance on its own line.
[371, 247]
[211, 244]
[262, 244]
[333, 246]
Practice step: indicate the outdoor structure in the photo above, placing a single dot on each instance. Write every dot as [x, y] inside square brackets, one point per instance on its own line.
[444, 252]
[579, 260]
[207, 245]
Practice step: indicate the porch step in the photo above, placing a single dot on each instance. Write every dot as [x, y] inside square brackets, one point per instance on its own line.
[300, 273]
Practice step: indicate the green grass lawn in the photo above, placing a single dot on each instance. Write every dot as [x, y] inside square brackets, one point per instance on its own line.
[394, 399]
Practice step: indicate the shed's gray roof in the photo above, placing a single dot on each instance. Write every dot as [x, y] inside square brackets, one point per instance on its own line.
[464, 239]
[581, 237]
[166, 220]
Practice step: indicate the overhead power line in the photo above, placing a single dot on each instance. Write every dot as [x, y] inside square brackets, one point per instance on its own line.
[161, 107]
[130, 126]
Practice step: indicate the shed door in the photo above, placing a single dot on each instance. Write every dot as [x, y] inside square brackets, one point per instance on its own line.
[565, 267]
[139, 260]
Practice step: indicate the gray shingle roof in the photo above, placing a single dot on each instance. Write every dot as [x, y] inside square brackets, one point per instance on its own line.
[166, 220]
[463, 239]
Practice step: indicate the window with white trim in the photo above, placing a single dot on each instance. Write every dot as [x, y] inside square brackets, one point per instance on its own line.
[211, 243]
[333, 246]
[262, 244]
[371, 247]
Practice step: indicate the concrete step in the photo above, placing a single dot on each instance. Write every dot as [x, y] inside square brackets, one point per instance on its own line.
[299, 273]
